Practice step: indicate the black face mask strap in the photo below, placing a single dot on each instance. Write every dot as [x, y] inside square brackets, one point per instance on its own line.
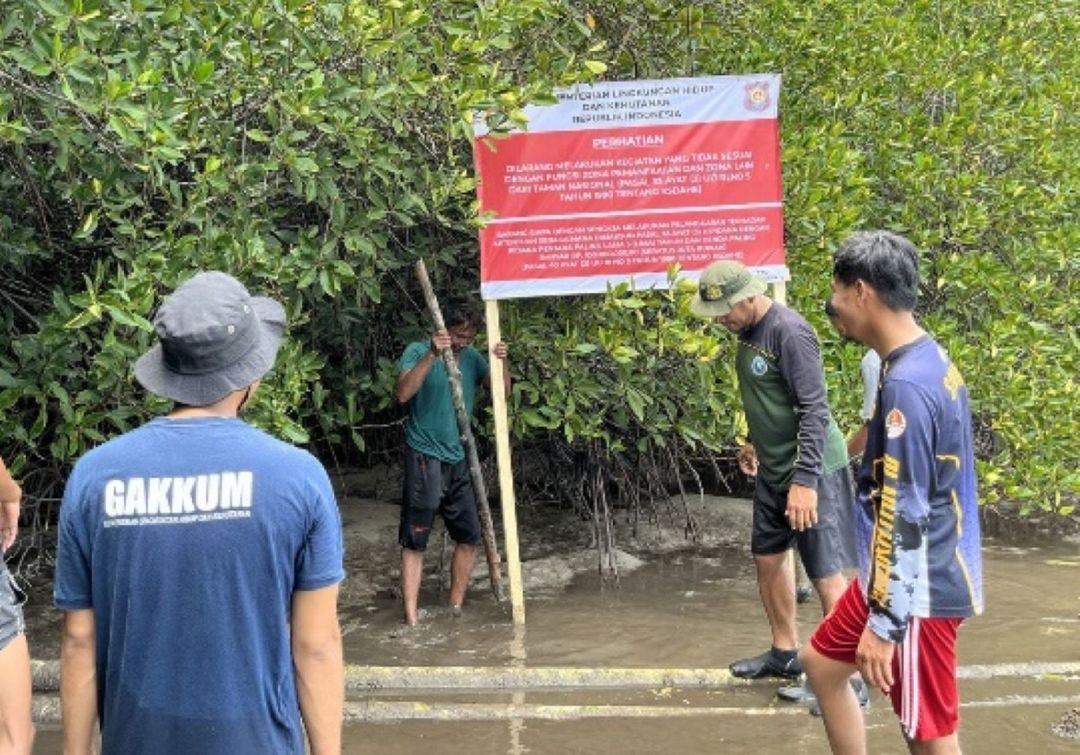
[244, 400]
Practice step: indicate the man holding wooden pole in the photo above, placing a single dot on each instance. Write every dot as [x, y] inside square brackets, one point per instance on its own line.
[436, 472]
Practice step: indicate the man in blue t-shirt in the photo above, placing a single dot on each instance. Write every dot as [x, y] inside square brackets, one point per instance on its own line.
[920, 571]
[436, 473]
[199, 558]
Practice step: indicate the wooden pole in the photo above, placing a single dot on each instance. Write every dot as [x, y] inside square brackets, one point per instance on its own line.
[780, 292]
[506, 475]
[491, 549]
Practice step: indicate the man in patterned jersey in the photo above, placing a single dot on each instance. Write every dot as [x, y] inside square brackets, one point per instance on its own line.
[921, 570]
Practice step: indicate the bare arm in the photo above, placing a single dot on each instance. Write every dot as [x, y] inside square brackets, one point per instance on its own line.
[78, 682]
[10, 492]
[10, 497]
[409, 382]
[501, 352]
[748, 462]
[9, 524]
[857, 442]
[320, 667]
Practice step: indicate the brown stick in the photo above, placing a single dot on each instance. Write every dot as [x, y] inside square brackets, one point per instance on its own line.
[491, 549]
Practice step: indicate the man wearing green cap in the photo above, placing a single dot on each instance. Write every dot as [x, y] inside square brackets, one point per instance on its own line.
[795, 451]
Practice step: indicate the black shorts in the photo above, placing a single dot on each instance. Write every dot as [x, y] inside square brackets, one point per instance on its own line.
[432, 485]
[828, 547]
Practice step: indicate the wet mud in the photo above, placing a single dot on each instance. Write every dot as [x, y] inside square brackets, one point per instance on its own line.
[1068, 726]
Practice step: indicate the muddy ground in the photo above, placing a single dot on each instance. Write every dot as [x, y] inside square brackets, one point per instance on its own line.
[556, 544]
[679, 602]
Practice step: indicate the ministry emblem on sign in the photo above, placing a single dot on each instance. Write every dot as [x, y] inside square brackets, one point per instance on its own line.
[757, 96]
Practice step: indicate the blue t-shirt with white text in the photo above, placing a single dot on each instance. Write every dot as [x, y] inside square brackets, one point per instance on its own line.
[188, 538]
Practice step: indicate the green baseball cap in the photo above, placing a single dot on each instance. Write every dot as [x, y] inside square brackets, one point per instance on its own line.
[722, 285]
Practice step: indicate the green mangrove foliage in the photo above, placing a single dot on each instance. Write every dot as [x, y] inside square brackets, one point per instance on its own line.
[316, 150]
[313, 149]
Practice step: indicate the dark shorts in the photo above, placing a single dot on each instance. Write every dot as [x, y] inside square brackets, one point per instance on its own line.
[11, 615]
[432, 485]
[828, 547]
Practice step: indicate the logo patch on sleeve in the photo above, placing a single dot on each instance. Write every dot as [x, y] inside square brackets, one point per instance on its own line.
[895, 423]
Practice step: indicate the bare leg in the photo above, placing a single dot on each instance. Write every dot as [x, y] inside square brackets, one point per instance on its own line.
[461, 566]
[776, 585]
[16, 726]
[802, 582]
[829, 590]
[949, 745]
[412, 567]
[839, 707]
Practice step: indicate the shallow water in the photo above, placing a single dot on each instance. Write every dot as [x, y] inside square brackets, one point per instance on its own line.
[700, 609]
[696, 609]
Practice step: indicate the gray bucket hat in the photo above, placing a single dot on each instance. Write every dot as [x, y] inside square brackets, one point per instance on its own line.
[722, 285]
[215, 338]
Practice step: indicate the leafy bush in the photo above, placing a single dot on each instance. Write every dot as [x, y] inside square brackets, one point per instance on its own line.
[317, 149]
[314, 150]
[949, 122]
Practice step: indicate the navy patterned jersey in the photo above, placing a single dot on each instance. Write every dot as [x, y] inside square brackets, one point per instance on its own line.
[919, 521]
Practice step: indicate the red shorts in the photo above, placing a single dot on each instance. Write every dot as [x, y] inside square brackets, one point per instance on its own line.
[924, 693]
